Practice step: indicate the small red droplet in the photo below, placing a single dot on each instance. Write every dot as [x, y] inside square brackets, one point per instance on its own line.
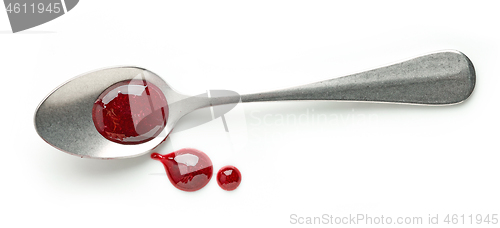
[130, 112]
[187, 169]
[229, 178]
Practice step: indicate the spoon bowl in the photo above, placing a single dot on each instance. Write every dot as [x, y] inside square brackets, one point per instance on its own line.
[64, 117]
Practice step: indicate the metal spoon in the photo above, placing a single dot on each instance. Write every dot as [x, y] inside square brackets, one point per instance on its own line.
[64, 118]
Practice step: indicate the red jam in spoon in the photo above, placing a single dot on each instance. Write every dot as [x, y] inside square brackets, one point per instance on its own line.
[229, 178]
[188, 169]
[130, 112]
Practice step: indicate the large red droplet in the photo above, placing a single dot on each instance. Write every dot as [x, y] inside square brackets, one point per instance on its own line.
[130, 112]
[229, 178]
[188, 169]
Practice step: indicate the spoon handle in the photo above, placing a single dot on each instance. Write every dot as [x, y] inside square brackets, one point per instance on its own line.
[446, 77]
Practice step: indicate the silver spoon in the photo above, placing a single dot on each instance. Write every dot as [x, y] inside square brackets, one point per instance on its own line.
[64, 117]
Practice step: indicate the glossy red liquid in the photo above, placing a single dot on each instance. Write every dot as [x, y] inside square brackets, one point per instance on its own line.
[229, 178]
[130, 112]
[187, 169]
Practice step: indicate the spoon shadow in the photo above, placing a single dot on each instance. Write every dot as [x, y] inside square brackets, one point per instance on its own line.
[65, 165]
[373, 106]
[297, 111]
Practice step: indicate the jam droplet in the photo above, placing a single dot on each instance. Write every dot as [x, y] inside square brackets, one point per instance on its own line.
[187, 169]
[229, 178]
[130, 112]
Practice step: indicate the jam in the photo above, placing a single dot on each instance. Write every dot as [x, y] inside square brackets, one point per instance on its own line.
[130, 112]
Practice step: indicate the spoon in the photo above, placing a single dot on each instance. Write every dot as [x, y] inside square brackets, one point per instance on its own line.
[64, 117]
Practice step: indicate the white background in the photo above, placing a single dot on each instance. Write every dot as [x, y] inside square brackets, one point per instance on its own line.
[375, 159]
